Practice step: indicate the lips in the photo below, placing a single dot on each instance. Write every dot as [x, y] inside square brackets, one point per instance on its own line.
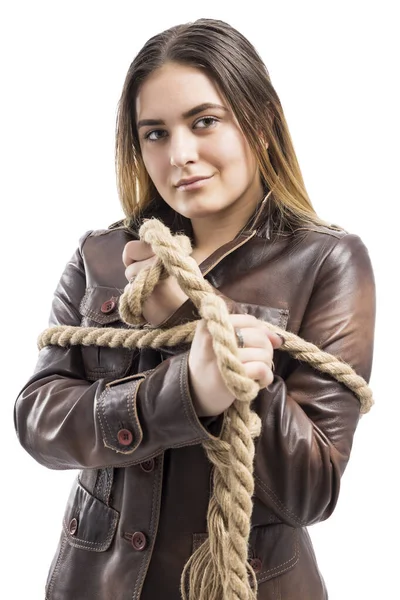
[190, 180]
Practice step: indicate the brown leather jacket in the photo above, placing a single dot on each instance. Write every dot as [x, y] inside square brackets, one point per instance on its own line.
[138, 507]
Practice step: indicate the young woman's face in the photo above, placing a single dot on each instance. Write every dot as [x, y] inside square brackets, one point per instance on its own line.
[182, 138]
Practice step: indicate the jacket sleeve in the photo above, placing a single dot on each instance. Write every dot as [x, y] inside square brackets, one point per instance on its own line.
[66, 422]
[309, 419]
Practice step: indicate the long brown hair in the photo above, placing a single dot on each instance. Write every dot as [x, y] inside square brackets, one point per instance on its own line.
[236, 68]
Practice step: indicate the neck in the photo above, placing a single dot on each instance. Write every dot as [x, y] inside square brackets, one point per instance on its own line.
[213, 232]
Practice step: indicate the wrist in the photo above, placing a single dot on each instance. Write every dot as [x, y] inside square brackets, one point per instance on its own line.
[195, 395]
[166, 298]
[208, 400]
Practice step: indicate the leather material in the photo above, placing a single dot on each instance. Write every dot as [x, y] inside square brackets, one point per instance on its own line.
[76, 410]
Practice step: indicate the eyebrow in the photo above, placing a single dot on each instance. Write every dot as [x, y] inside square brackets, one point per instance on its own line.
[190, 113]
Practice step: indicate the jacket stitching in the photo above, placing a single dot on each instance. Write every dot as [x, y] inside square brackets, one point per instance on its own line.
[154, 518]
[276, 500]
[132, 411]
[56, 568]
[102, 402]
[283, 318]
[85, 543]
[283, 566]
[142, 571]
[133, 416]
[110, 481]
[102, 371]
[199, 539]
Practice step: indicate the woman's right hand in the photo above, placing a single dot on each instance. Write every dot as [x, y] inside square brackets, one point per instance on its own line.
[210, 395]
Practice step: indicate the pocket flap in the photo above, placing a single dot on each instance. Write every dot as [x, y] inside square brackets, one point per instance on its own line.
[273, 549]
[89, 523]
[100, 304]
[270, 314]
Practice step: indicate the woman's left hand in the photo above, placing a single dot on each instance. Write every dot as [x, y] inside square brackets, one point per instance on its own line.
[167, 296]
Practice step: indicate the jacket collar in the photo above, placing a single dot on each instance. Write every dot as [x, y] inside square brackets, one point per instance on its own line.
[211, 261]
[161, 210]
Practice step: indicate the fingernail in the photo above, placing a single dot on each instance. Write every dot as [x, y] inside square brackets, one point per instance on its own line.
[281, 338]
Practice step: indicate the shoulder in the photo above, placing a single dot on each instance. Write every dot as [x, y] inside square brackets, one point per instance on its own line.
[115, 234]
[325, 251]
[338, 255]
[101, 255]
[333, 242]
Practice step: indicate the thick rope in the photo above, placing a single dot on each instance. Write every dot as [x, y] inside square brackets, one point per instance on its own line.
[219, 569]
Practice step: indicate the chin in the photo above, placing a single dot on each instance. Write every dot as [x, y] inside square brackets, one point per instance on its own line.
[201, 207]
[199, 212]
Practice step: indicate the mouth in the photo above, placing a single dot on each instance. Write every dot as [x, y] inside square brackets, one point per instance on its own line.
[192, 184]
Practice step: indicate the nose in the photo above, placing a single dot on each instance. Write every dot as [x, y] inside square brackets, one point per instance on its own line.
[183, 148]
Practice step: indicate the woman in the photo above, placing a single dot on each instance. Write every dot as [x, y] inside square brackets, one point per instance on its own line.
[202, 145]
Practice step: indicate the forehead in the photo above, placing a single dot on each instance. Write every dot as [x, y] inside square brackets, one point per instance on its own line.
[175, 88]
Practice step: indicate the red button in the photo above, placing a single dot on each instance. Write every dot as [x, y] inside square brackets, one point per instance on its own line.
[256, 564]
[73, 526]
[147, 465]
[108, 306]
[139, 541]
[125, 437]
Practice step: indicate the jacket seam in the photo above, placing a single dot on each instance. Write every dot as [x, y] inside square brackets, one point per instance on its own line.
[327, 257]
[131, 397]
[154, 520]
[87, 235]
[290, 563]
[50, 587]
[272, 495]
[87, 545]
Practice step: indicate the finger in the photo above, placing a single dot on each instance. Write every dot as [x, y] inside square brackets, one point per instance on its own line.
[276, 339]
[249, 321]
[247, 355]
[256, 337]
[134, 269]
[260, 372]
[136, 250]
[244, 320]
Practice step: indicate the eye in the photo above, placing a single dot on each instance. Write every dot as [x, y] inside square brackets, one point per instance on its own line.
[149, 133]
[152, 136]
[210, 120]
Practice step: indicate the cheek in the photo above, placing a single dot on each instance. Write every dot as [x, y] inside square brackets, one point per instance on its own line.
[156, 165]
[233, 153]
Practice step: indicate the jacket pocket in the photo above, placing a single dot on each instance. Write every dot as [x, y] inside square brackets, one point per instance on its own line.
[99, 308]
[276, 316]
[88, 530]
[273, 549]
[270, 314]
[88, 523]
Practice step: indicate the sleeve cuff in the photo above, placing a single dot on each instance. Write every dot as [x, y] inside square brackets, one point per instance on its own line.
[152, 411]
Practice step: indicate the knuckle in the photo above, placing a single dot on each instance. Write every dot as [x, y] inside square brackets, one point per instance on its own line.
[269, 378]
[263, 371]
[128, 254]
[130, 271]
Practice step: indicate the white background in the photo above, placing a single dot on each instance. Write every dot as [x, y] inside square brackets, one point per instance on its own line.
[63, 64]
